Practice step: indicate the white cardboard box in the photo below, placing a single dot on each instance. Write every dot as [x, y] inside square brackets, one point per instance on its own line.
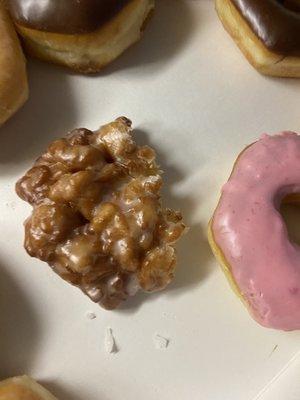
[193, 96]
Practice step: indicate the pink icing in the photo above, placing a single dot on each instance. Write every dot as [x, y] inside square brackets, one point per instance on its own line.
[251, 232]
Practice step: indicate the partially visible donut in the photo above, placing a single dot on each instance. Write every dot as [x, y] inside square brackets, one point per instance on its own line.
[23, 388]
[266, 31]
[84, 35]
[13, 78]
[249, 237]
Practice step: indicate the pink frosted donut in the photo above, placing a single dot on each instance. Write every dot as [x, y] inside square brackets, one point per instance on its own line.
[249, 236]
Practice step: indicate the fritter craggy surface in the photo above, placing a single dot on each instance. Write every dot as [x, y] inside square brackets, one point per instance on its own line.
[97, 218]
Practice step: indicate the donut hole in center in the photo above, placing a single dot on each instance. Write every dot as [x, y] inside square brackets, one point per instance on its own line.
[290, 211]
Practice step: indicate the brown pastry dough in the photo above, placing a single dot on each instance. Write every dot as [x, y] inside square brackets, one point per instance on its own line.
[267, 32]
[23, 388]
[97, 216]
[84, 35]
[13, 78]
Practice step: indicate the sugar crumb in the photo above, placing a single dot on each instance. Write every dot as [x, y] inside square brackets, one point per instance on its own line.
[109, 341]
[90, 315]
[160, 342]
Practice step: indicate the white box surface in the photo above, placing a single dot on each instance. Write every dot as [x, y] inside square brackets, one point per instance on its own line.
[193, 96]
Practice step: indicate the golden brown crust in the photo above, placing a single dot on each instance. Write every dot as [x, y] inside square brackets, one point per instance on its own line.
[13, 78]
[90, 52]
[23, 388]
[223, 262]
[264, 60]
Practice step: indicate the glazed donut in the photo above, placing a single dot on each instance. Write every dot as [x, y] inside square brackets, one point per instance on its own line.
[248, 234]
[13, 78]
[23, 388]
[97, 216]
[267, 32]
[84, 35]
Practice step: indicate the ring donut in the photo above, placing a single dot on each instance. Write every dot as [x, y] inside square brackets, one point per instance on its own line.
[13, 78]
[248, 234]
[267, 32]
[84, 35]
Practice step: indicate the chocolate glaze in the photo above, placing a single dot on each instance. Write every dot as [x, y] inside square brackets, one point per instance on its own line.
[64, 16]
[275, 22]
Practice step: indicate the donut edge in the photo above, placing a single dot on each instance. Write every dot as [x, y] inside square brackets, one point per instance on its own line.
[225, 266]
[261, 58]
[13, 75]
[89, 53]
[29, 383]
[218, 252]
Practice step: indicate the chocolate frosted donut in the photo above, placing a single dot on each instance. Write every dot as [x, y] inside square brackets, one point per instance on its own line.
[276, 23]
[84, 35]
[51, 15]
[267, 32]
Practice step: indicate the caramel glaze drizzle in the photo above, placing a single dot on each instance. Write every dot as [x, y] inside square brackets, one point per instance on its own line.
[64, 16]
[275, 22]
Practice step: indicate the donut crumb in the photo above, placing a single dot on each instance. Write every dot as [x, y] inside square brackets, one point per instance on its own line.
[109, 341]
[90, 315]
[161, 342]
